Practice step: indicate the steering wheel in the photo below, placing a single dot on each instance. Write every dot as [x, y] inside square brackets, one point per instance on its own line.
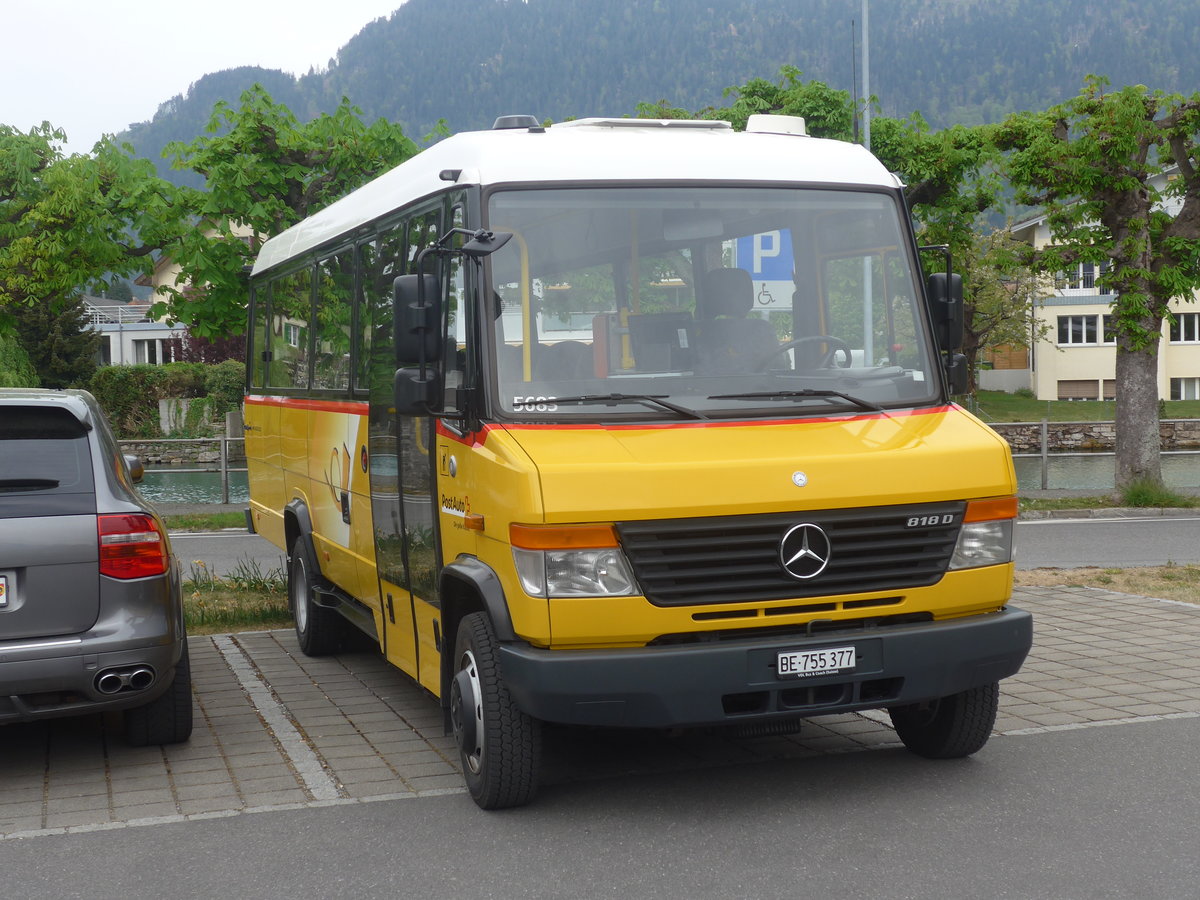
[836, 345]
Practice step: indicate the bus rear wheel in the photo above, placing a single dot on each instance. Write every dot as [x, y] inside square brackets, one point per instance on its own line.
[498, 744]
[319, 630]
[951, 727]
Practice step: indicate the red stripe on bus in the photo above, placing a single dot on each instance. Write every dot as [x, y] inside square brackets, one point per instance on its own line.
[354, 407]
[479, 438]
[729, 423]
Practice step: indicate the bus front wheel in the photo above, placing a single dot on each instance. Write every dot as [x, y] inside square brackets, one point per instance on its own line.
[951, 727]
[498, 744]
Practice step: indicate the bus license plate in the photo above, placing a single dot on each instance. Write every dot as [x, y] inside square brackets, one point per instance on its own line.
[803, 663]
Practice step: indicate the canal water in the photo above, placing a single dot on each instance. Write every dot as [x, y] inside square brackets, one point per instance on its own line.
[1093, 472]
[166, 486]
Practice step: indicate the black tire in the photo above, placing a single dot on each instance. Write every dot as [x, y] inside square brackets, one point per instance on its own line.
[319, 630]
[951, 727]
[499, 745]
[168, 718]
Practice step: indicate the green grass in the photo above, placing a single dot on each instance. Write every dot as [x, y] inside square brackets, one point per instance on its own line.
[206, 521]
[999, 406]
[246, 599]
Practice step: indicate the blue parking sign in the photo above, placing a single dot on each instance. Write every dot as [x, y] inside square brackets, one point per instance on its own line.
[768, 259]
[766, 256]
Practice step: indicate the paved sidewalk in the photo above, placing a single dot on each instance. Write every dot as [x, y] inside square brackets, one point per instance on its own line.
[275, 729]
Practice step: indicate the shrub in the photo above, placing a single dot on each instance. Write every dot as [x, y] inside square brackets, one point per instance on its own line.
[183, 379]
[130, 394]
[223, 384]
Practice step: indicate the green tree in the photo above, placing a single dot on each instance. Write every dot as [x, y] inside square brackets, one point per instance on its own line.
[15, 368]
[1116, 173]
[60, 345]
[264, 171]
[66, 221]
[1000, 298]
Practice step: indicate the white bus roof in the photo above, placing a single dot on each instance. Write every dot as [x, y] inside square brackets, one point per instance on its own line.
[592, 150]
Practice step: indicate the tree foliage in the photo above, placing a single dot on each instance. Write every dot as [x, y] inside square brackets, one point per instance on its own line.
[1117, 175]
[1001, 297]
[15, 368]
[264, 171]
[66, 221]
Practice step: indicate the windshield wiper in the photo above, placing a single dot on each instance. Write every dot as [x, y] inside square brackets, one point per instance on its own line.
[801, 395]
[613, 399]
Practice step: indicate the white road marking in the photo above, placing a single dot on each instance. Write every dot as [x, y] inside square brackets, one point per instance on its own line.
[301, 755]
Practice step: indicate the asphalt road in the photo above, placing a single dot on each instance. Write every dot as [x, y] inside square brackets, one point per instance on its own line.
[1092, 813]
[1041, 543]
[1118, 543]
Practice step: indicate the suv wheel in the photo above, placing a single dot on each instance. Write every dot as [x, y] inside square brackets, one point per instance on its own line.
[168, 718]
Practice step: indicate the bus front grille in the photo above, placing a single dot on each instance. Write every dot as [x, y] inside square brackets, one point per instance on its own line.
[735, 559]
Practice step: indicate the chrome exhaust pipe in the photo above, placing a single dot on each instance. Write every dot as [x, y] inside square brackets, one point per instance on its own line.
[113, 681]
[109, 682]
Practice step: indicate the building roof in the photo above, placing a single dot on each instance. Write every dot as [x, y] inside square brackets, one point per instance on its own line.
[592, 150]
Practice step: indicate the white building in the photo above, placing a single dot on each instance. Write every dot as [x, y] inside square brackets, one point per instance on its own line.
[1076, 360]
[128, 336]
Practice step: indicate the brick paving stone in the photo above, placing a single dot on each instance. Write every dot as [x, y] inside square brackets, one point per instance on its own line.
[1098, 657]
[125, 813]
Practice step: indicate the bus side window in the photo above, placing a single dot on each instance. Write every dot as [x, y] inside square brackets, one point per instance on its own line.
[291, 309]
[258, 338]
[458, 336]
[335, 301]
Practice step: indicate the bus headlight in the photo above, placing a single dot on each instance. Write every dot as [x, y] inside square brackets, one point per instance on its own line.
[569, 570]
[986, 537]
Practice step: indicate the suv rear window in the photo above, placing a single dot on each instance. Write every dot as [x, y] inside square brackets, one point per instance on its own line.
[45, 463]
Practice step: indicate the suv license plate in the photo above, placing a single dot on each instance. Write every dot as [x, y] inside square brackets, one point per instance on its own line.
[803, 663]
[3, 591]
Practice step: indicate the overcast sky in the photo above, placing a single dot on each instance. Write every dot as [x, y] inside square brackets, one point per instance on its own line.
[93, 67]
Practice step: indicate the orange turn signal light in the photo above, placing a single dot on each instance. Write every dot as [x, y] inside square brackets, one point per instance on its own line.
[987, 510]
[562, 537]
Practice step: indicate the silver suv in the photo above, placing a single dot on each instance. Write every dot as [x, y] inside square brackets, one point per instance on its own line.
[91, 614]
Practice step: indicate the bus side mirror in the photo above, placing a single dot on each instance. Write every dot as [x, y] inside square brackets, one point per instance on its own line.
[946, 308]
[956, 374]
[416, 319]
[417, 391]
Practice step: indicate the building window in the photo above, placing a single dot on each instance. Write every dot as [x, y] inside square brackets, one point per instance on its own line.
[1082, 389]
[1083, 278]
[1082, 330]
[1185, 388]
[145, 352]
[1186, 328]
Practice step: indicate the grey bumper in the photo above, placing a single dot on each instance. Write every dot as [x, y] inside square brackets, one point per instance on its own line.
[735, 681]
[61, 680]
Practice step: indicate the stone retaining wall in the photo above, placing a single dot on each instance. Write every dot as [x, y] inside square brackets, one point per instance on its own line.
[1066, 437]
[185, 454]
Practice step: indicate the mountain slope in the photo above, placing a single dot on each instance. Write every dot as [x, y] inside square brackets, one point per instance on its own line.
[467, 61]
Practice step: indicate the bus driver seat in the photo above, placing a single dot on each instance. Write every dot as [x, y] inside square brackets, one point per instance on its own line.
[730, 340]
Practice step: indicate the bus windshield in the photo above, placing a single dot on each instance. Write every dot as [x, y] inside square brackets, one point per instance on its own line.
[703, 302]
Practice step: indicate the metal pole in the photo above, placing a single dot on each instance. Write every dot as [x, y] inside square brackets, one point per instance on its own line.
[1045, 455]
[866, 67]
[868, 286]
[225, 466]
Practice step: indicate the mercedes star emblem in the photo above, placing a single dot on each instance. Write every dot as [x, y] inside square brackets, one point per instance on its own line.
[804, 551]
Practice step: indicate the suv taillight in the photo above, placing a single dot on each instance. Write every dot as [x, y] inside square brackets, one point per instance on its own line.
[131, 546]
